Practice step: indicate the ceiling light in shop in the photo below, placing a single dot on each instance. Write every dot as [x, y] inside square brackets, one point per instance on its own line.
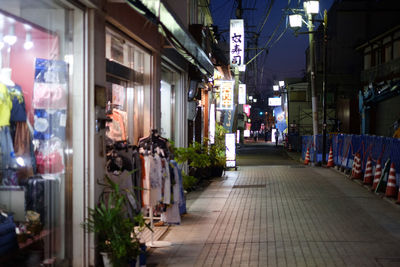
[10, 38]
[28, 41]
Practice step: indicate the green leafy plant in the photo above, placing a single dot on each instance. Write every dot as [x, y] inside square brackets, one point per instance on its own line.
[196, 155]
[217, 150]
[204, 160]
[188, 181]
[113, 228]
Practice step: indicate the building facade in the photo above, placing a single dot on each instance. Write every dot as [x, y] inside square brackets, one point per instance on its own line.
[66, 67]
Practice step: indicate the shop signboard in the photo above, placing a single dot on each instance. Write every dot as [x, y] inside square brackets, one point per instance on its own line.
[242, 94]
[237, 42]
[248, 126]
[246, 109]
[211, 133]
[274, 101]
[230, 149]
[226, 95]
[246, 133]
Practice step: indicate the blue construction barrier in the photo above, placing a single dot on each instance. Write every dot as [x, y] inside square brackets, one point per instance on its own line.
[346, 146]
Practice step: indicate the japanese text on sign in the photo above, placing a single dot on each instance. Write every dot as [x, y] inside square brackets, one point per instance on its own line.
[226, 94]
[237, 42]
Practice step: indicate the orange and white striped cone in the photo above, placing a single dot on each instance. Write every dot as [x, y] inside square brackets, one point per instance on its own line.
[356, 171]
[391, 183]
[330, 159]
[378, 173]
[307, 159]
[368, 177]
[353, 168]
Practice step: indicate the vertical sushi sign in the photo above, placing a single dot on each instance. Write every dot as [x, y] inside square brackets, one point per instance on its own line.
[237, 42]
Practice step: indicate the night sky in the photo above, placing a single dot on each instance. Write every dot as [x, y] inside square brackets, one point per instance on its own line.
[286, 56]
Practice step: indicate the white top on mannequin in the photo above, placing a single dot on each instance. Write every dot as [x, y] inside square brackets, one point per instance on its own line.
[5, 77]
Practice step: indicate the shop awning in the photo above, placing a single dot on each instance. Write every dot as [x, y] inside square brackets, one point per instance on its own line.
[157, 12]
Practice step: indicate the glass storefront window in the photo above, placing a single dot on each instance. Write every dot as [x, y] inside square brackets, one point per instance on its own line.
[37, 48]
[128, 89]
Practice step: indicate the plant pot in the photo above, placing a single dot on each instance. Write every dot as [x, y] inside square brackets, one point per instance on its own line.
[106, 259]
[216, 171]
[132, 263]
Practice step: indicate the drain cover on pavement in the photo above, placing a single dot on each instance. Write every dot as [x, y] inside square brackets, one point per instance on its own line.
[249, 186]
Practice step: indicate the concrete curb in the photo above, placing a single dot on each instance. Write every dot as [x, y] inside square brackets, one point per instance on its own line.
[367, 187]
[293, 156]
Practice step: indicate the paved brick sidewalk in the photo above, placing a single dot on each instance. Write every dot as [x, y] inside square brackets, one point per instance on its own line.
[284, 216]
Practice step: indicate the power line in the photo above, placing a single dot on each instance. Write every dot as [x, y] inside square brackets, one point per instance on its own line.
[266, 16]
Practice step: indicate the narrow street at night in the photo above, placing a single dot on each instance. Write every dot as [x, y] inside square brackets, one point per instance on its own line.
[274, 211]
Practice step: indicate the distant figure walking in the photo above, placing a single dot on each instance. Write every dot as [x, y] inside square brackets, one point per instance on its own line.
[255, 136]
[276, 137]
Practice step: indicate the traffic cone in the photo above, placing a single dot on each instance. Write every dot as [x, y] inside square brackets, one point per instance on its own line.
[378, 173]
[353, 168]
[368, 172]
[356, 170]
[391, 183]
[330, 159]
[307, 159]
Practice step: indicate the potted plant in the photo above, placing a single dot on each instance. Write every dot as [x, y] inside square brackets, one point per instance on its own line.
[216, 152]
[117, 240]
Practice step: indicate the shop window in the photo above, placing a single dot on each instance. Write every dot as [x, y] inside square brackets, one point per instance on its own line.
[367, 61]
[128, 89]
[396, 49]
[388, 52]
[37, 48]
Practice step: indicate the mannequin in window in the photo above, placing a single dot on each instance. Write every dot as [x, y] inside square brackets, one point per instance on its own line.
[5, 77]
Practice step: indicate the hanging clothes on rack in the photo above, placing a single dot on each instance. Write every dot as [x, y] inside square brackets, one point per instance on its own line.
[161, 182]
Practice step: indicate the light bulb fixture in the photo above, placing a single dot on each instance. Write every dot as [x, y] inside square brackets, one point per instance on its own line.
[275, 87]
[295, 20]
[311, 7]
[10, 38]
[28, 41]
[281, 83]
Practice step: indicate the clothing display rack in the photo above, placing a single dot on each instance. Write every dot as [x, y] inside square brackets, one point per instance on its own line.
[154, 144]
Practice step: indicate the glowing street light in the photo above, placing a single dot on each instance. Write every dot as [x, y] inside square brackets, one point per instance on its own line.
[311, 7]
[295, 20]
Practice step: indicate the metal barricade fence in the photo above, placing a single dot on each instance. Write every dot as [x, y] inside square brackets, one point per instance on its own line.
[345, 147]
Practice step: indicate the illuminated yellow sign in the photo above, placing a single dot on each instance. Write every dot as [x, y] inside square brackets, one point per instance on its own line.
[226, 94]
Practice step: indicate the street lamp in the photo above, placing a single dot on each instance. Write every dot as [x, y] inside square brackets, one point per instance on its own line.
[311, 8]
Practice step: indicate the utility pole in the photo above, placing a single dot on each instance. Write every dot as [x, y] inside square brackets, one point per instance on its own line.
[324, 87]
[312, 81]
[239, 13]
